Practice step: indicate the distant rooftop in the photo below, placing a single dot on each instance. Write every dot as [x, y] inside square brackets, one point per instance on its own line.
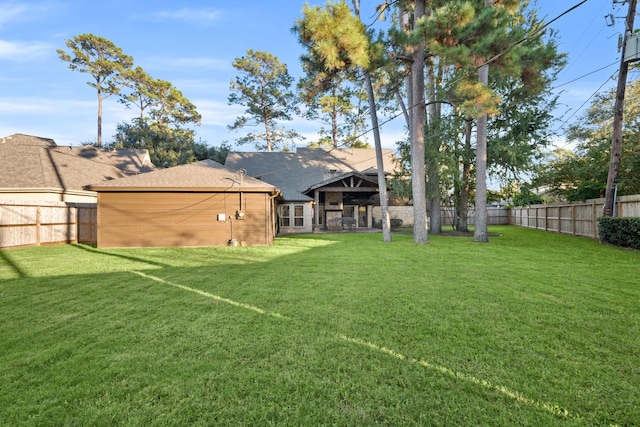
[28, 161]
[295, 173]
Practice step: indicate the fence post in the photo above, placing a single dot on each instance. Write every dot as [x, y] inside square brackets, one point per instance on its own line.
[38, 225]
[594, 221]
[546, 218]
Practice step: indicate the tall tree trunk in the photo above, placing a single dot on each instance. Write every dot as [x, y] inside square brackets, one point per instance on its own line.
[334, 128]
[267, 134]
[433, 154]
[99, 140]
[463, 198]
[418, 117]
[480, 233]
[382, 183]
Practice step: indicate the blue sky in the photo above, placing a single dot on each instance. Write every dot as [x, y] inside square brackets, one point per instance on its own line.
[192, 45]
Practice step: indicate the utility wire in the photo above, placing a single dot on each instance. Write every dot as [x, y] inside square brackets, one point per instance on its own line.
[580, 108]
[587, 28]
[585, 75]
[492, 59]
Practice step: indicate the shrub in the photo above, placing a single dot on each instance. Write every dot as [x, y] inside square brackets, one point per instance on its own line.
[396, 222]
[526, 197]
[623, 232]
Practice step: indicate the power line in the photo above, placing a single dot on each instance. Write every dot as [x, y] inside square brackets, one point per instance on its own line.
[494, 58]
[580, 108]
[587, 28]
[585, 75]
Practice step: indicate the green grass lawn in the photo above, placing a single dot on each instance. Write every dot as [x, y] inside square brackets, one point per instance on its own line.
[533, 328]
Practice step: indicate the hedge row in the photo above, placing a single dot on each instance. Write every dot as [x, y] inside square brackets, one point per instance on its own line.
[623, 232]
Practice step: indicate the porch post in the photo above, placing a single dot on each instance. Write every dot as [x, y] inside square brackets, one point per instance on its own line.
[316, 208]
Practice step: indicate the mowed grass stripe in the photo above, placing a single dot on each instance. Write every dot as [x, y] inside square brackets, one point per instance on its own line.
[212, 296]
[519, 397]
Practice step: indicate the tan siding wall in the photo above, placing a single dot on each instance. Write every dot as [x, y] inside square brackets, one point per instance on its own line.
[182, 219]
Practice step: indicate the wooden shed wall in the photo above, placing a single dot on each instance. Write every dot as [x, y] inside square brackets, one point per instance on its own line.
[162, 219]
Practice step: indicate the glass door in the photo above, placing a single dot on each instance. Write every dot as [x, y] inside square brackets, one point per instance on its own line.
[362, 217]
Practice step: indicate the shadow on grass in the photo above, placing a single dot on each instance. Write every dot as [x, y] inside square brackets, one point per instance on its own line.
[125, 257]
[14, 266]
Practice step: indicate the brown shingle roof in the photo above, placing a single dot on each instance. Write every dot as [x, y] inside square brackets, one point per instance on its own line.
[130, 161]
[33, 162]
[294, 173]
[205, 175]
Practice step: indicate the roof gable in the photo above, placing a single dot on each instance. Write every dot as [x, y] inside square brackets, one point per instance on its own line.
[343, 180]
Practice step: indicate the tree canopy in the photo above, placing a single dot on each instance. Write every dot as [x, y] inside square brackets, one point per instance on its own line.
[101, 59]
[460, 36]
[264, 88]
[332, 89]
[165, 116]
[337, 46]
[581, 173]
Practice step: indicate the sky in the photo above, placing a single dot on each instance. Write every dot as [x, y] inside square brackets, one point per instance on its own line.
[193, 43]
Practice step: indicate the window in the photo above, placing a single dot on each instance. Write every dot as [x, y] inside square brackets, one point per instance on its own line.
[298, 216]
[285, 216]
[292, 215]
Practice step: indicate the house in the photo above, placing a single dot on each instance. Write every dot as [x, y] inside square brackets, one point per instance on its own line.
[321, 188]
[199, 204]
[37, 169]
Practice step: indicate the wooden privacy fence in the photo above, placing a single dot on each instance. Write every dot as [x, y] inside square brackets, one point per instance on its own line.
[495, 216]
[26, 223]
[578, 219]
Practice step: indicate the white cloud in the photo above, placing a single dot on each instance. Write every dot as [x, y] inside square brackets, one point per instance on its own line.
[217, 113]
[18, 51]
[200, 16]
[28, 106]
[11, 12]
[67, 121]
[20, 12]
